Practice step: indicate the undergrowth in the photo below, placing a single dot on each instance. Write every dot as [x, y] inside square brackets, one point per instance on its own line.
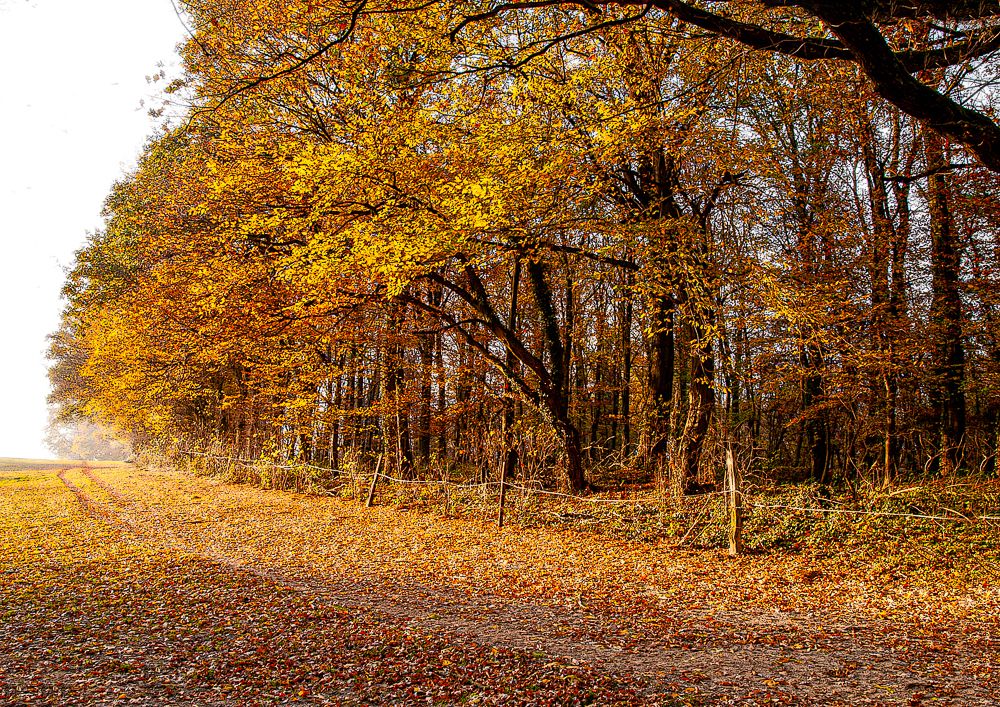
[951, 525]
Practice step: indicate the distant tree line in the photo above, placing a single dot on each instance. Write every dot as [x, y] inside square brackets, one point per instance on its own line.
[557, 239]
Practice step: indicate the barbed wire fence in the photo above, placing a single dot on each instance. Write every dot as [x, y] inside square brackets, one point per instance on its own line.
[738, 501]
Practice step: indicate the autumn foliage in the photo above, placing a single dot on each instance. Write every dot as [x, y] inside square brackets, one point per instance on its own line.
[542, 247]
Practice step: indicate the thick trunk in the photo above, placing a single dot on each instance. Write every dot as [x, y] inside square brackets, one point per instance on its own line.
[626, 391]
[575, 476]
[424, 423]
[397, 422]
[661, 378]
[554, 396]
[397, 413]
[441, 376]
[948, 396]
[883, 315]
[338, 401]
[598, 440]
[815, 428]
[701, 405]
[375, 426]
[461, 387]
[509, 418]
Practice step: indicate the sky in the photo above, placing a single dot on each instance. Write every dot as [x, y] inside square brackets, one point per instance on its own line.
[72, 89]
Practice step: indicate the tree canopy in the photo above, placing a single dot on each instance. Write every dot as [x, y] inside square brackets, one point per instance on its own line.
[559, 240]
[901, 47]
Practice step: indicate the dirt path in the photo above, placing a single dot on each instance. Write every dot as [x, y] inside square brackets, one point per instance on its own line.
[566, 599]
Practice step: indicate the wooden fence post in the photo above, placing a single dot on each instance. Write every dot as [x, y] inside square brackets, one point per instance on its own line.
[503, 493]
[375, 475]
[735, 505]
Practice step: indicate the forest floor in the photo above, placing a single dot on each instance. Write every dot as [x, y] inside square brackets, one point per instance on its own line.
[128, 586]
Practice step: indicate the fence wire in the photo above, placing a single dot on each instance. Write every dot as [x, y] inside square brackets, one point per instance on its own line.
[748, 502]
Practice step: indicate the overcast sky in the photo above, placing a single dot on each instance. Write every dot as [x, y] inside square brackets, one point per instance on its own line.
[72, 81]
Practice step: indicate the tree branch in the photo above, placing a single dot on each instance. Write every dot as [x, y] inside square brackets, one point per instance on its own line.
[894, 83]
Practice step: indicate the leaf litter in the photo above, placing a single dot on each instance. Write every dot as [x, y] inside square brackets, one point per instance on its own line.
[140, 587]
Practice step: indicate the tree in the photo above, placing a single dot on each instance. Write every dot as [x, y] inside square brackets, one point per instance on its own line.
[500, 253]
[878, 36]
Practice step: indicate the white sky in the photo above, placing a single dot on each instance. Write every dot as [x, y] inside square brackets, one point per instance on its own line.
[72, 76]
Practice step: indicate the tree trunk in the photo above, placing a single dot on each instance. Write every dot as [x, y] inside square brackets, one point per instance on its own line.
[626, 391]
[661, 378]
[948, 396]
[554, 396]
[815, 428]
[426, 344]
[397, 411]
[509, 417]
[701, 405]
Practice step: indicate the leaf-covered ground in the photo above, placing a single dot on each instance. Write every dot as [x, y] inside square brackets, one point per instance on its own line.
[123, 586]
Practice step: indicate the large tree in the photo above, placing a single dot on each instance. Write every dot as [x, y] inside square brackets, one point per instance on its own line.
[894, 43]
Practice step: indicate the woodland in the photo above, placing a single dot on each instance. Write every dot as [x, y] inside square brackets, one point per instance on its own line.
[565, 243]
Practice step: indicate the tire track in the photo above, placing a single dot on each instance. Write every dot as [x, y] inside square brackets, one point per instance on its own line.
[855, 671]
[90, 506]
[104, 512]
